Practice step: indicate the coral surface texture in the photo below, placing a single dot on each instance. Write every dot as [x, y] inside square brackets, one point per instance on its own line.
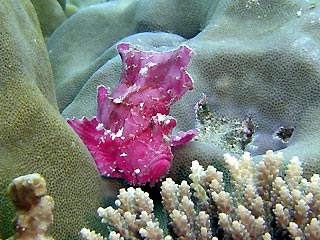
[256, 87]
[33, 135]
[256, 60]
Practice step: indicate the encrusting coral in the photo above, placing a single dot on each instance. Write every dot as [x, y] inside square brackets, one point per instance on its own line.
[50, 14]
[34, 208]
[262, 202]
[252, 58]
[34, 138]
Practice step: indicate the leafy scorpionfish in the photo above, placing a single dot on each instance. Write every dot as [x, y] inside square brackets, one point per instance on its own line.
[130, 137]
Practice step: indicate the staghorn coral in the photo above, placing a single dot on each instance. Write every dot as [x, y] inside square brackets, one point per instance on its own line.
[90, 235]
[263, 203]
[133, 219]
[130, 136]
[34, 208]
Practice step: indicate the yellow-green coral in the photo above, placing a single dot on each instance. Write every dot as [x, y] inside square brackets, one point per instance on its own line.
[50, 14]
[33, 135]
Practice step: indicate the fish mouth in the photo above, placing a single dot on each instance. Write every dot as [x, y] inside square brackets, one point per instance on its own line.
[161, 157]
[158, 168]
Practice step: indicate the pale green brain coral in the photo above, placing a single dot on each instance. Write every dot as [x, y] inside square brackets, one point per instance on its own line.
[33, 135]
[253, 58]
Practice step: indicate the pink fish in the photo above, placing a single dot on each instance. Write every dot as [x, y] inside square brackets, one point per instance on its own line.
[131, 137]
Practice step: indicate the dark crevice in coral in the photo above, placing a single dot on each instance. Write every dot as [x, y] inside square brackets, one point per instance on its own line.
[284, 133]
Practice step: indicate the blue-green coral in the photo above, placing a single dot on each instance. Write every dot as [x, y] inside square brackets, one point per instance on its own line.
[253, 58]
